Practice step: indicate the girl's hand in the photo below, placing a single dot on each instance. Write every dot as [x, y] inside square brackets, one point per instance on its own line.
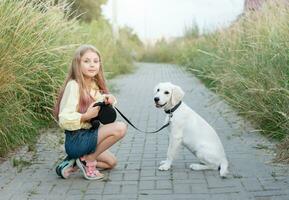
[109, 99]
[90, 113]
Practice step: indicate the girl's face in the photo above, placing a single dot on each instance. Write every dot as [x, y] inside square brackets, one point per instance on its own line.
[89, 64]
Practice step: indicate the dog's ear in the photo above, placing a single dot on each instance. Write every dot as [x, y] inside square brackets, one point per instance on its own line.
[177, 94]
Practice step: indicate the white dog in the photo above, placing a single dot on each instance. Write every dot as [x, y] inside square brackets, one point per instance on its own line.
[190, 129]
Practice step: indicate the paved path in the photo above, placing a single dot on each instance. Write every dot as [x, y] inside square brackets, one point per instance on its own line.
[136, 176]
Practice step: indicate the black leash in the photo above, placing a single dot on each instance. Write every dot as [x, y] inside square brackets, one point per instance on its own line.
[126, 119]
[170, 112]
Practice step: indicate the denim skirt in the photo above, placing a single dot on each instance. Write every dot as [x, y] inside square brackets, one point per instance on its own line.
[80, 142]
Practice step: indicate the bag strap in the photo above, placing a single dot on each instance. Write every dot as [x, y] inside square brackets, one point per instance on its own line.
[125, 118]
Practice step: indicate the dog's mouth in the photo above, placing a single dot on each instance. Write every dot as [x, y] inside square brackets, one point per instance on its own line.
[160, 105]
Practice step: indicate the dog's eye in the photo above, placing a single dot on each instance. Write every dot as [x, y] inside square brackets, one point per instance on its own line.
[166, 92]
[158, 90]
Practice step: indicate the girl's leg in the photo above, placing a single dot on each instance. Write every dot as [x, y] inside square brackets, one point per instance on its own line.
[108, 135]
[106, 160]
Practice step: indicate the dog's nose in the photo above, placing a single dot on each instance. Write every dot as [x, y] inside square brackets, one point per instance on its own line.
[156, 99]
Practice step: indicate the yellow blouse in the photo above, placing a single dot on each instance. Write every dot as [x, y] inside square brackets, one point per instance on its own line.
[69, 117]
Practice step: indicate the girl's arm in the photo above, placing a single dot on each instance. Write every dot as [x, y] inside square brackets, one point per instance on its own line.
[69, 118]
[90, 113]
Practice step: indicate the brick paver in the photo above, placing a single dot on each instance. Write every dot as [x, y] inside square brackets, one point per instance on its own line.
[252, 175]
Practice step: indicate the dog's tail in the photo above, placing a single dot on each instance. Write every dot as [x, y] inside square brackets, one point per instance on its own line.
[224, 168]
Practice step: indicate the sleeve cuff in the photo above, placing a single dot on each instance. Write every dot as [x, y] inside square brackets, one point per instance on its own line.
[70, 124]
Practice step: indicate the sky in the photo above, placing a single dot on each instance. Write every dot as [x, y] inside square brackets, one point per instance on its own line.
[154, 19]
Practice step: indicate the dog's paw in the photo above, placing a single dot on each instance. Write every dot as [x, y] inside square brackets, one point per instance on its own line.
[195, 167]
[163, 162]
[165, 165]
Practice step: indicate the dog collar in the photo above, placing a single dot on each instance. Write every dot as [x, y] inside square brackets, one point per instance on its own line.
[170, 111]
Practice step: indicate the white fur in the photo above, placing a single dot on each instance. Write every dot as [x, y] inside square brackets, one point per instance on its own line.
[191, 130]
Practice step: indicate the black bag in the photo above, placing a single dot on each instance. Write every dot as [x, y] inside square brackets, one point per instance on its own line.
[106, 115]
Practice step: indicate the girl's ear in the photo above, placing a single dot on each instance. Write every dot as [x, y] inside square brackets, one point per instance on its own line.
[177, 95]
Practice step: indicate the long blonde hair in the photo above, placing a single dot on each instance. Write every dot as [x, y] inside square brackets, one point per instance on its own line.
[75, 74]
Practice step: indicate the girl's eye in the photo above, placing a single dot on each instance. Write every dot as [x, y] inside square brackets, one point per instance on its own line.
[96, 61]
[166, 92]
[86, 61]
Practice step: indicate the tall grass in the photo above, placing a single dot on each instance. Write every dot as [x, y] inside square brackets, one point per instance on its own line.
[31, 54]
[248, 65]
[36, 45]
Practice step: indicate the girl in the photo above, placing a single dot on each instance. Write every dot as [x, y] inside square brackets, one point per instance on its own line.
[84, 86]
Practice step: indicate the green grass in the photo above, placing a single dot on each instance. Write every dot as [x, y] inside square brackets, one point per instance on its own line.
[32, 52]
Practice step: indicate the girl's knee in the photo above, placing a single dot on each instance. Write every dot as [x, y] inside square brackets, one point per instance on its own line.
[121, 129]
[112, 163]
